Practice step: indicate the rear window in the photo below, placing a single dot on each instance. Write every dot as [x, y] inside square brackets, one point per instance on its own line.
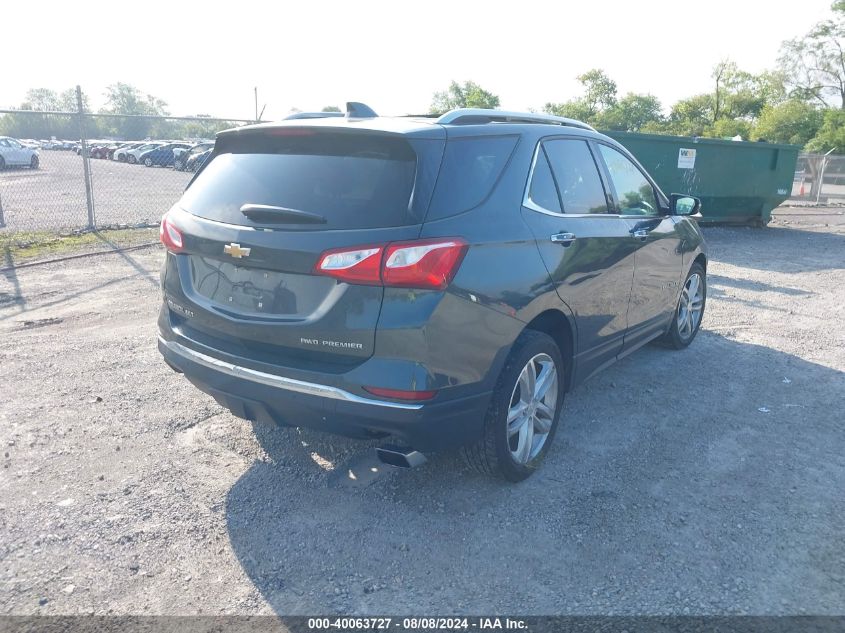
[471, 167]
[354, 181]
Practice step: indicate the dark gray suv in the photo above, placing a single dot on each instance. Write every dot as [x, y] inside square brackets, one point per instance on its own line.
[444, 281]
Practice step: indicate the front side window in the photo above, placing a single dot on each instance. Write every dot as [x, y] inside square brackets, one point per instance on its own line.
[576, 175]
[633, 191]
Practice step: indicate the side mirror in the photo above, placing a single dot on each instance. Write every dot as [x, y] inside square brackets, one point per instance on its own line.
[684, 205]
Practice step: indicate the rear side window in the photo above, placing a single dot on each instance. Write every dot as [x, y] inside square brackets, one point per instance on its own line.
[469, 171]
[354, 181]
[543, 191]
[576, 175]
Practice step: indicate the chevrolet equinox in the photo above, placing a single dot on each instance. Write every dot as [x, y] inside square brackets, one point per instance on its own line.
[443, 281]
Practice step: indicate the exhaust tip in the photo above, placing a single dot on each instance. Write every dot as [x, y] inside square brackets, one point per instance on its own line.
[399, 457]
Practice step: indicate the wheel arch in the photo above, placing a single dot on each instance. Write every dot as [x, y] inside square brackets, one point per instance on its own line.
[555, 324]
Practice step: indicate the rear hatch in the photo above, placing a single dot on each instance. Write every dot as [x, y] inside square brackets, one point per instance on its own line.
[255, 221]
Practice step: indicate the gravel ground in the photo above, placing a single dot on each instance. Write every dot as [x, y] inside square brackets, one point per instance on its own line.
[53, 197]
[704, 481]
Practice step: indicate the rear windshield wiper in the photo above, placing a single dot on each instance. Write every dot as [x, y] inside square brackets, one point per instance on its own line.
[269, 213]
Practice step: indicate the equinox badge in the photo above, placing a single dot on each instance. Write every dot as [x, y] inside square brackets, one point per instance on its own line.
[236, 251]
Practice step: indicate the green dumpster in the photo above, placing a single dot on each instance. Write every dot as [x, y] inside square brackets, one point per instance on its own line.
[737, 181]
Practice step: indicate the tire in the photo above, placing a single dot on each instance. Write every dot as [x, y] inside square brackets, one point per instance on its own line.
[686, 322]
[177, 165]
[131, 159]
[33, 162]
[121, 158]
[148, 162]
[503, 450]
[2, 163]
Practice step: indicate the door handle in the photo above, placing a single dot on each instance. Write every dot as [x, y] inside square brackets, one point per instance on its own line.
[640, 233]
[563, 238]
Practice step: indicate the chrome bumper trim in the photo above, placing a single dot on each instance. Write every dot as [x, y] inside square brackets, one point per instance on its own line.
[280, 382]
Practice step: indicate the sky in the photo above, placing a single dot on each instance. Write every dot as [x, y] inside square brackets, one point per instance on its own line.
[207, 57]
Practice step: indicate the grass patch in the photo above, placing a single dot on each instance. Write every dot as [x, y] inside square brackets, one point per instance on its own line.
[19, 248]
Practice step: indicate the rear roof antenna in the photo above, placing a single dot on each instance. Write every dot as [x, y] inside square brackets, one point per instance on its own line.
[356, 110]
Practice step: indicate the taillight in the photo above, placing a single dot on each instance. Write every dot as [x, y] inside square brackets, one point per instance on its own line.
[427, 264]
[401, 394]
[422, 264]
[169, 235]
[355, 266]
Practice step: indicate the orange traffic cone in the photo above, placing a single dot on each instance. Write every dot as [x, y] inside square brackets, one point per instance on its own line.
[801, 193]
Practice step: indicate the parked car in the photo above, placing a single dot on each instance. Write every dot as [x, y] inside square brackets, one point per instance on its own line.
[181, 158]
[102, 150]
[162, 155]
[133, 154]
[447, 311]
[14, 154]
[196, 161]
[120, 153]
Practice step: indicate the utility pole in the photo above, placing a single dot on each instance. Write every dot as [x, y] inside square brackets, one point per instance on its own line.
[256, 104]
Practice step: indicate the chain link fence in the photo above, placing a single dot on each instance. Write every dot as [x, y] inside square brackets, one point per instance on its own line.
[819, 178]
[65, 172]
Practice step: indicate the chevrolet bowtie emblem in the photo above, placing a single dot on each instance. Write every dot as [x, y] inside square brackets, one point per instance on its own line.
[236, 251]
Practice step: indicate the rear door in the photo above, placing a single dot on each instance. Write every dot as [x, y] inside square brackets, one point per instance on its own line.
[246, 282]
[659, 260]
[587, 250]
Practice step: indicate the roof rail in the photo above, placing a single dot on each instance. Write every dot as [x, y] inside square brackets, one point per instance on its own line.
[470, 116]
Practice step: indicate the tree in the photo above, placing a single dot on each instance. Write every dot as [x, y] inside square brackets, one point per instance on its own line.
[599, 90]
[67, 101]
[122, 98]
[331, 109]
[631, 113]
[599, 95]
[738, 93]
[466, 95]
[815, 64]
[692, 116]
[792, 121]
[831, 134]
[41, 99]
[572, 109]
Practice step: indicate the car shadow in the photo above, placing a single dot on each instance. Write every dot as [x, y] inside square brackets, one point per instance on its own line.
[793, 250]
[674, 486]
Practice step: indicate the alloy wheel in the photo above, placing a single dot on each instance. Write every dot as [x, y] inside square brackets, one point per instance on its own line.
[532, 408]
[690, 306]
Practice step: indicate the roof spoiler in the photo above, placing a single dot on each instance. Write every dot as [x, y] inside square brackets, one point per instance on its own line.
[356, 110]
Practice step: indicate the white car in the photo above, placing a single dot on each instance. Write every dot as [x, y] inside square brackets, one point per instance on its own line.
[14, 154]
[133, 154]
[120, 153]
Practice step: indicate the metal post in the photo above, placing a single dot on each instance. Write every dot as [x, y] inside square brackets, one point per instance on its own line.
[2, 219]
[821, 174]
[86, 166]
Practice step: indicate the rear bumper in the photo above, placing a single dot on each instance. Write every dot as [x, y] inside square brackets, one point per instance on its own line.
[257, 395]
